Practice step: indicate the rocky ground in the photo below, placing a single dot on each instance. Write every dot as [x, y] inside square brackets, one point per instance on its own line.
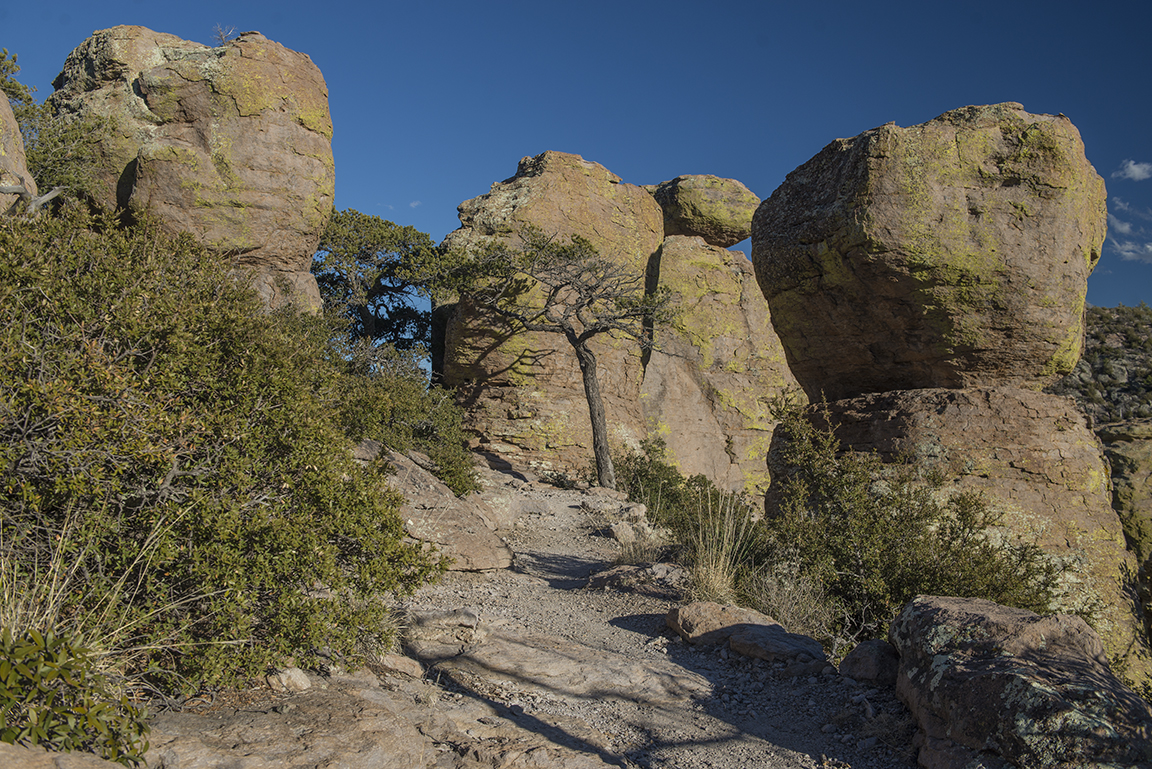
[530, 667]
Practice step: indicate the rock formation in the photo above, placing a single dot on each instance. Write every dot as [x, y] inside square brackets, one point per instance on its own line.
[1128, 447]
[718, 210]
[947, 254]
[920, 278]
[13, 166]
[232, 144]
[700, 390]
[999, 687]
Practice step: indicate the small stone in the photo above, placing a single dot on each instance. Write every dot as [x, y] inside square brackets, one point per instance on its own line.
[828, 728]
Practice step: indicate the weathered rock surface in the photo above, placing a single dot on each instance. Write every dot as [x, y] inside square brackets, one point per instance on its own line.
[13, 164]
[459, 527]
[949, 254]
[355, 721]
[1128, 447]
[232, 144]
[708, 377]
[718, 210]
[873, 661]
[707, 383]
[1035, 459]
[747, 632]
[523, 391]
[998, 687]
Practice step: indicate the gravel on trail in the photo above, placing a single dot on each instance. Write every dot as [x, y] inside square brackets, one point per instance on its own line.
[746, 713]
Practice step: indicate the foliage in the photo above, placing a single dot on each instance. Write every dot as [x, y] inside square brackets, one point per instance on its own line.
[372, 272]
[1113, 380]
[60, 150]
[566, 287]
[875, 536]
[848, 542]
[149, 403]
[51, 695]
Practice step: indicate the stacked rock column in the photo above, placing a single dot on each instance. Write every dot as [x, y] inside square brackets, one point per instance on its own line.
[927, 282]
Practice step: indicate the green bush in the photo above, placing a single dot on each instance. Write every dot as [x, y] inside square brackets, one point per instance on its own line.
[182, 449]
[51, 695]
[875, 536]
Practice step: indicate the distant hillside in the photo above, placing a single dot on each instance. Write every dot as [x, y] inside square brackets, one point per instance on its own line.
[1113, 380]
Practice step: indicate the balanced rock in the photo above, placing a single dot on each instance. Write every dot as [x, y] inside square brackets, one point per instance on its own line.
[1000, 687]
[949, 254]
[708, 380]
[523, 391]
[1035, 460]
[718, 210]
[232, 144]
[13, 165]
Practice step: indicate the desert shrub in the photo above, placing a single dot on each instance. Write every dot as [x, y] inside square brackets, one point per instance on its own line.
[185, 437]
[52, 695]
[874, 535]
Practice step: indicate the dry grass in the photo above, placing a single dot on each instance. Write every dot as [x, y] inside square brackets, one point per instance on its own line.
[719, 546]
[795, 600]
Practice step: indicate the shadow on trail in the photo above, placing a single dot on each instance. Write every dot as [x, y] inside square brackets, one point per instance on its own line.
[562, 572]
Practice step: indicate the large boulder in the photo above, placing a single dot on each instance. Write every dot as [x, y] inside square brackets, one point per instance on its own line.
[1128, 447]
[13, 166]
[523, 391]
[1034, 458]
[718, 210]
[707, 382]
[232, 144]
[999, 687]
[949, 254]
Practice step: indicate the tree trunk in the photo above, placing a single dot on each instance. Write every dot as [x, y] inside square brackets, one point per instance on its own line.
[605, 472]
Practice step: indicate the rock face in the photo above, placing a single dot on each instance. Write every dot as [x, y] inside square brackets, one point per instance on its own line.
[999, 687]
[1035, 459]
[13, 166]
[1128, 447]
[523, 391]
[232, 144]
[459, 528]
[948, 254]
[718, 210]
[706, 383]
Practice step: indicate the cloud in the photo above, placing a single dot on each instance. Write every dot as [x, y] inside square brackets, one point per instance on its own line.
[414, 204]
[1130, 169]
[1133, 250]
[1118, 227]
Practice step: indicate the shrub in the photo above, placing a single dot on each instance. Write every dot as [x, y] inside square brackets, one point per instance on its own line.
[154, 408]
[874, 535]
[51, 695]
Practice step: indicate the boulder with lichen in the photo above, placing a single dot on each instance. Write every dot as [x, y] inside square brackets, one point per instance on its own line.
[953, 253]
[706, 206]
[232, 144]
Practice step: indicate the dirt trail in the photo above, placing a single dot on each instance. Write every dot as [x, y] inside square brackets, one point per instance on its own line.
[729, 712]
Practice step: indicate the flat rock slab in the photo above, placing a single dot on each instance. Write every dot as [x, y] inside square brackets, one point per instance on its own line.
[353, 721]
[562, 667]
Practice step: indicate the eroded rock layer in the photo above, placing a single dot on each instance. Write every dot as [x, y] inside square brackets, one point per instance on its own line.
[13, 166]
[948, 254]
[232, 144]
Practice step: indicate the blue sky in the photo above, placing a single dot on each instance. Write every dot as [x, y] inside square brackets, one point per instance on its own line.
[434, 101]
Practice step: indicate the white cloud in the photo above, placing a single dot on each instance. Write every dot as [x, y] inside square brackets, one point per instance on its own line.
[1132, 250]
[1118, 227]
[1130, 169]
[414, 203]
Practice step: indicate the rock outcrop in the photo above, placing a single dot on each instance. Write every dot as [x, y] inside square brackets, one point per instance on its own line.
[232, 144]
[998, 687]
[948, 254]
[926, 280]
[718, 210]
[1128, 447]
[13, 165]
[523, 391]
[1033, 456]
[701, 390]
[706, 383]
